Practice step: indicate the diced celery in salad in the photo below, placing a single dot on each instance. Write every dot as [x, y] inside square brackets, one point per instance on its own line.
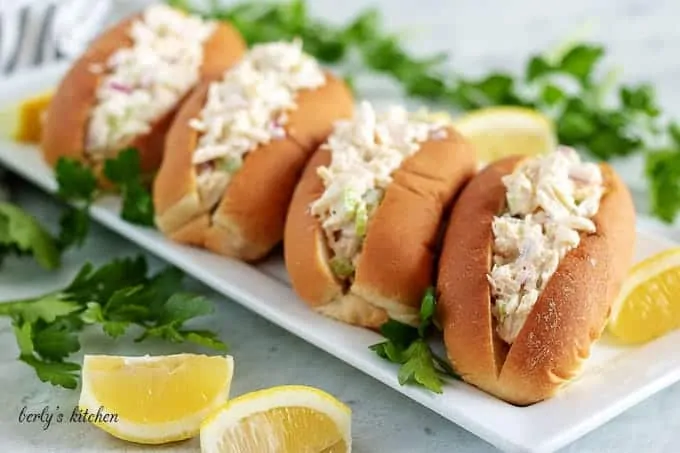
[361, 219]
[230, 164]
[342, 267]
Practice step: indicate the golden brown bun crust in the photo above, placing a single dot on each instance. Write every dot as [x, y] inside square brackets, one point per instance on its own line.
[397, 261]
[68, 113]
[250, 218]
[569, 315]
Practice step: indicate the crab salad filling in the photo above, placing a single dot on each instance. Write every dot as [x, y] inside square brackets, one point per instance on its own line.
[550, 202]
[141, 83]
[365, 152]
[248, 108]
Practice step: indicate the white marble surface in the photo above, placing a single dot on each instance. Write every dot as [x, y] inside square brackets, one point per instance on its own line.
[640, 35]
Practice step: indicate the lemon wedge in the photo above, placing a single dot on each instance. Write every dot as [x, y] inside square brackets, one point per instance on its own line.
[648, 305]
[286, 419]
[153, 400]
[498, 132]
[30, 118]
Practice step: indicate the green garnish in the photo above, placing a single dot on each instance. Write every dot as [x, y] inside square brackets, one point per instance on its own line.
[21, 234]
[78, 184]
[361, 219]
[663, 171]
[584, 117]
[230, 164]
[342, 267]
[407, 346]
[125, 171]
[350, 200]
[116, 296]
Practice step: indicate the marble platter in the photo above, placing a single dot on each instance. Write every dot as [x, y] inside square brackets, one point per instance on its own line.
[615, 377]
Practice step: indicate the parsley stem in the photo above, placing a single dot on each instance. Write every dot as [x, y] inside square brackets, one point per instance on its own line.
[9, 308]
[13, 307]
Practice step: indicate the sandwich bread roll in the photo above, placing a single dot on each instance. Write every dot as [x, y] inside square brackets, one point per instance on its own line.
[238, 146]
[364, 222]
[125, 89]
[535, 252]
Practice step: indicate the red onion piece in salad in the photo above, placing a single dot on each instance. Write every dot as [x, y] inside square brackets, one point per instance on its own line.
[120, 87]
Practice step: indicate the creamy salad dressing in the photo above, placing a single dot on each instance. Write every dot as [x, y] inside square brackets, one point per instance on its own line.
[143, 82]
[550, 201]
[365, 153]
[248, 108]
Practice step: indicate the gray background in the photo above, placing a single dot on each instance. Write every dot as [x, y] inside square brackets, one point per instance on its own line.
[640, 35]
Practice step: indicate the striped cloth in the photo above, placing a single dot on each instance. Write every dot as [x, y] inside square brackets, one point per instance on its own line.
[37, 32]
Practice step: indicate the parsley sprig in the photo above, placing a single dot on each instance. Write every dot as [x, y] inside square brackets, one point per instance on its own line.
[126, 173]
[21, 234]
[592, 113]
[407, 346]
[77, 184]
[117, 296]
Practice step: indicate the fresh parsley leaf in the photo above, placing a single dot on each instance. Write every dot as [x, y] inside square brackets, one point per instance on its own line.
[183, 307]
[63, 374]
[23, 331]
[641, 98]
[204, 338]
[137, 205]
[93, 315]
[419, 367]
[124, 168]
[398, 333]
[365, 27]
[407, 346]
[116, 296]
[46, 308]
[663, 171]
[125, 172]
[427, 311]
[494, 89]
[77, 184]
[75, 180]
[74, 226]
[56, 341]
[537, 67]
[581, 61]
[178, 309]
[115, 329]
[552, 95]
[22, 234]
[577, 124]
[674, 133]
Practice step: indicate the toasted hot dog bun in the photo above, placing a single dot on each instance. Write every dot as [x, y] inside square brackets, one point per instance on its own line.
[570, 313]
[250, 217]
[67, 116]
[397, 260]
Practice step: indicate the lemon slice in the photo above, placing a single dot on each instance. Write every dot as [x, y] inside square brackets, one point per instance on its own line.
[153, 400]
[498, 132]
[648, 305]
[287, 419]
[9, 122]
[23, 122]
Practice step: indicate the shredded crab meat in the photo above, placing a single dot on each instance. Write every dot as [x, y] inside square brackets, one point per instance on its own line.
[248, 108]
[143, 82]
[365, 152]
[550, 202]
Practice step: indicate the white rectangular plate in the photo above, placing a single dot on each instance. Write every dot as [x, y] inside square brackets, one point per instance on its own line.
[615, 378]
